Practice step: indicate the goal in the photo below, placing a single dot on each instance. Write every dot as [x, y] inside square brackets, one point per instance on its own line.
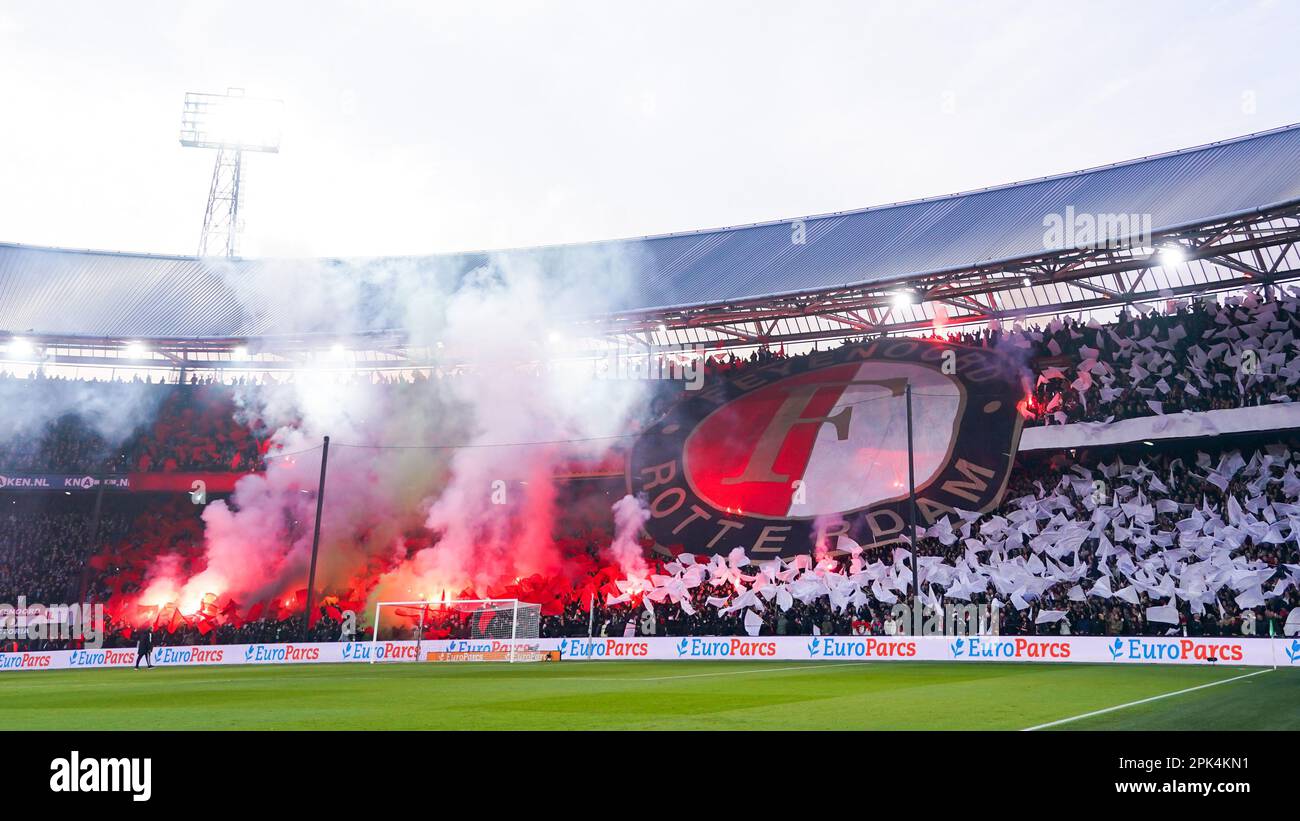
[492, 629]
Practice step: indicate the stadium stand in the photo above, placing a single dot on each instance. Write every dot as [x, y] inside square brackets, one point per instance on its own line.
[191, 427]
[1183, 314]
[1188, 359]
[1242, 494]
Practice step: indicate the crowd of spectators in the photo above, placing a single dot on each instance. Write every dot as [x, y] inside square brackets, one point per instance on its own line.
[43, 552]
[1203, 356]
[1200, 355]
[1034, 480]
[70, 426]
[46, 556]
[1192, 358]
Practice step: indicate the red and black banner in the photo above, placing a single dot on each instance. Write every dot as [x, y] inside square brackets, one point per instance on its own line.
[816, 447]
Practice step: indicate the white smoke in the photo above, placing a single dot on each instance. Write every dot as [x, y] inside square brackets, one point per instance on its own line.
[114, 411]
[630, 514]
[486, 495]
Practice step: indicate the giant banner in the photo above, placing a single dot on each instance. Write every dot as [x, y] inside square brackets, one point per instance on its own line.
[799, 450]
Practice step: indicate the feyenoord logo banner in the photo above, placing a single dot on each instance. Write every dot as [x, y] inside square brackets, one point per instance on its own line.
[800, 450]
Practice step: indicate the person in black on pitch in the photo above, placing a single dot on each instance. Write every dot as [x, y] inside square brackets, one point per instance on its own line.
[143, 648]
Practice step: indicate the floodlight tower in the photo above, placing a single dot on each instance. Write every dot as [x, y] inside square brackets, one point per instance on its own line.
[230, 123]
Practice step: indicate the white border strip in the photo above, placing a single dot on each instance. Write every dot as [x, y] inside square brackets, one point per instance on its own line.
[1183, 425]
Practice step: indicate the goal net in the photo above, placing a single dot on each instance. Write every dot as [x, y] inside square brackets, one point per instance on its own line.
[486, 630]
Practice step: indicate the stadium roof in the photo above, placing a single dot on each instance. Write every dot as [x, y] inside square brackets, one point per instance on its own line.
[705, 279]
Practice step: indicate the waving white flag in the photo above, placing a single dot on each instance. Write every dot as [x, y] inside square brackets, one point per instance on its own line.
[1166, 614]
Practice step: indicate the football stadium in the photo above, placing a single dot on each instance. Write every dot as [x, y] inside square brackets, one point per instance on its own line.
[701, 507]
[1019, 458]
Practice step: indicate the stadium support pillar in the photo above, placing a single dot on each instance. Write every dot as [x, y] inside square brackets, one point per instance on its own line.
[315, 541]
[94, 540]
[514, 628]
[911, 505]
[419, 636]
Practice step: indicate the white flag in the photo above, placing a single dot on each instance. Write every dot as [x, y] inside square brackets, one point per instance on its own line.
[1292, 626]
[1128, 594]
[1166, 614]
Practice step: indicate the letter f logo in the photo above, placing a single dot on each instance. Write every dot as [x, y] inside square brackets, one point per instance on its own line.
[762, 461]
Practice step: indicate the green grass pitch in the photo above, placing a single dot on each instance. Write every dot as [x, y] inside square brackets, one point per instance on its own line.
[660, 695]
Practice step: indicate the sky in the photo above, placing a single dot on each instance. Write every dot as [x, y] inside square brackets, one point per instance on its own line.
[415, 128]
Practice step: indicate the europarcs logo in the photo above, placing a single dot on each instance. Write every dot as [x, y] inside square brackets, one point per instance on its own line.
[602, 648]
[1137, 649]
[986, 647]
[725, 648]
[830, 647]
[279, 653]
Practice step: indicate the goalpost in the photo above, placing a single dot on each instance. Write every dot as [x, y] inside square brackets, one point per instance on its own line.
[499, 623]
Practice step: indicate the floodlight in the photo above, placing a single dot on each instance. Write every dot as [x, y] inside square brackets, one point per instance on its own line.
[1172, 254]
[20, 348]
[135, 350]
[905, 297]
[231, 121]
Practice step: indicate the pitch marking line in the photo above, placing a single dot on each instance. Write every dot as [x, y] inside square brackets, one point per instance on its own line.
[1142, 701]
